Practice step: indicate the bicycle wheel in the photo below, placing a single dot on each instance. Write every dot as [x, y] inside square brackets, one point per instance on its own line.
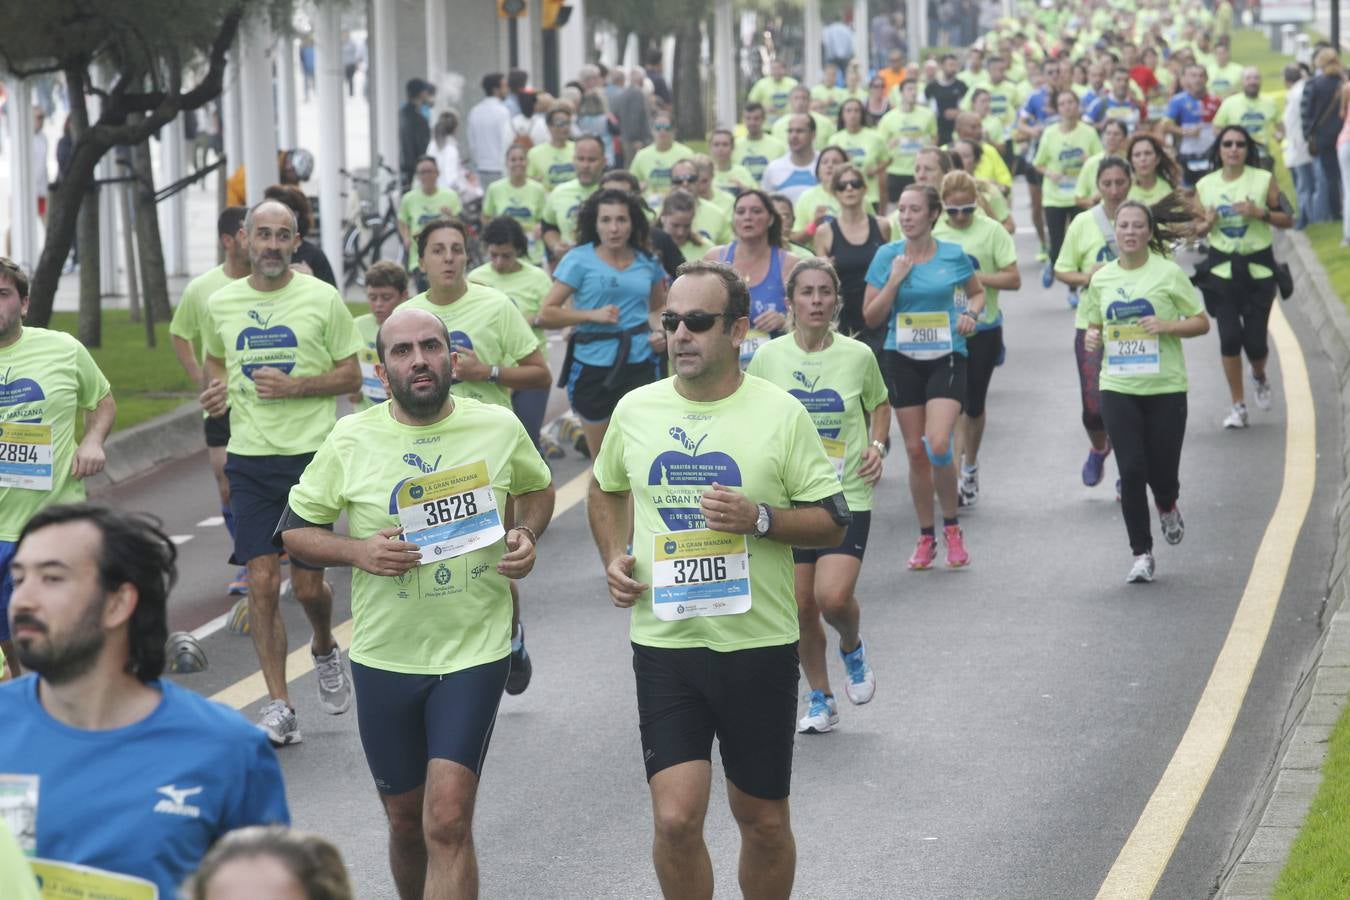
[353, 268]
[387, 245]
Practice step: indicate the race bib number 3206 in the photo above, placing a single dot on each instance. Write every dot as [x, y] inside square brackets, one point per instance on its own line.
[26, 456]
[699, 572]
[450, 513]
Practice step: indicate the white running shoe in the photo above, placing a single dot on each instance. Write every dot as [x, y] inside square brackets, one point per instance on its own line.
[862, 681]
[1237, 416]
[822, 714]
[1265, 396]
[335, 688]
[1142, 570]
[1173, 528]
[968, 488]
[278, 722]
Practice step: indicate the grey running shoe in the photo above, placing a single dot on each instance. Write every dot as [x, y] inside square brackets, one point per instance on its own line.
[278, 722]
[1173, 528]
[1142, 570]
[1264, 395]
[335, 688]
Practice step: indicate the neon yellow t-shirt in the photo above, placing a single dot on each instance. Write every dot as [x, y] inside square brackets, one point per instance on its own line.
[905, 134]
[526, 288]
[804, 210]
[1224, 81]
[865, 150]
[734, 180]
[831, 97]
[418, 208]
[485, 321]
[190, 313]
[652, 166]
[1257, 115]
[302, 329]
[562, 206]
[773, 94]
[1065, 153]
[1234, 233]
[711, 222]
[825, 129]
[525, 204]
[1151, 195]
[1084, 247]
[989, 248]
[667, 450]
[45, 378]
[755, 154]
[550, 165]
[837, 386]
[445, 615]
[372, 390]
[1122, 296]
[15, 873]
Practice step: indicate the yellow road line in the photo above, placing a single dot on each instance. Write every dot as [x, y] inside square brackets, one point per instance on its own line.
[1150, 846]
[252, 688]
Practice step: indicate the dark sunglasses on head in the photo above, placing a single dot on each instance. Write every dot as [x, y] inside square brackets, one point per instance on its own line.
[660, 128]
[1234, 144]
[961, 210]
[850, 185]
[697, 321]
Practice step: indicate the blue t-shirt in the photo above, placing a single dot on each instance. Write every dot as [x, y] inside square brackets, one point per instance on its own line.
[929, 287]
[1185, 109]
[1039, 108]
[595, 284]
[147, 800]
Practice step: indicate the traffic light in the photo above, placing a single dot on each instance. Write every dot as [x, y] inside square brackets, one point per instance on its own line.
[511, 9]
[555, 14]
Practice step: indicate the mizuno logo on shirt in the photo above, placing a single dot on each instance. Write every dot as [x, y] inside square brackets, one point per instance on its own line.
[175, 802]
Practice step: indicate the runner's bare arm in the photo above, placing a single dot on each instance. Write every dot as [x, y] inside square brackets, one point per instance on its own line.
[89, 457]
[610, 519]
[533, 512]
[343, 378]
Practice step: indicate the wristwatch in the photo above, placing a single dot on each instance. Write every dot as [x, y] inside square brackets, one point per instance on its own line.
[494, 374]
[765, 520]
[880, 447]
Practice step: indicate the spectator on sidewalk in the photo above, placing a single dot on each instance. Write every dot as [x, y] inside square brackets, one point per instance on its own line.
[414, 125]
[630, 108]
[490, 131]
[1322, 122]
[41, 175]
[353, 53]
[660, 90]
[836, 42]
[1295, 145]
[516, 81]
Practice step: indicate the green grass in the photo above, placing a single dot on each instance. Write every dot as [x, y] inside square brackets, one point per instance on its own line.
[1251, 47]
[1319, 866]
[145, 382]
[1326, 241]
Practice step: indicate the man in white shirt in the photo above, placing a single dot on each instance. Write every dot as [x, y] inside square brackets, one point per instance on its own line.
[1295, 146]
[490, 132]
[792, 174]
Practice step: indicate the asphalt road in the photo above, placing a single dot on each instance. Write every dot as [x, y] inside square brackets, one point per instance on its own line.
[1025, 709]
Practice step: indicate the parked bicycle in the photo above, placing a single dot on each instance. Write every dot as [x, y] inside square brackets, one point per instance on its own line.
[370, 234]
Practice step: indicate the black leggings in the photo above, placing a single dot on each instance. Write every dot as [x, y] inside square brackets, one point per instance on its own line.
[1242, 316]
[1089, 382]
[1057, 219]
[982, 350]
[1146, 432]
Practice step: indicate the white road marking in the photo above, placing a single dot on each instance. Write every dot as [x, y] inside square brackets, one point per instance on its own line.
[181, 539]
[211, 627]
[211, 522]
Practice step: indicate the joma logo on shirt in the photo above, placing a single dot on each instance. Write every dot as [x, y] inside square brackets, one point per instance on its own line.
[175, 801]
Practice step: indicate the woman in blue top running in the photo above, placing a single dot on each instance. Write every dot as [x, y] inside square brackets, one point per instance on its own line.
[618, 290]
[912, 288]
[758, 256]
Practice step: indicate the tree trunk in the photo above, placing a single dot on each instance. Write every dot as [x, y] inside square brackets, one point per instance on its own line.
[90, 329]
[154, 283]
[688, 86]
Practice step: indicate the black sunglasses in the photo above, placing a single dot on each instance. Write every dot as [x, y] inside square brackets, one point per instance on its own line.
[683, 179]
[1234, 144]
[696, 321]
[849, 185]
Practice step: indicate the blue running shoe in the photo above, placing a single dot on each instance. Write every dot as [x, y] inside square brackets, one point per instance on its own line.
[1048, 274]
[1073, 299]
[862, 681]
[239, 586]
[822, 714]
[1092, 469]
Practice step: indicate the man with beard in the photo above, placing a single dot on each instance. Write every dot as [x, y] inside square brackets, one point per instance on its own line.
[46, 378]
[422, 480]
[115, 782]
[711, 477]
[280, 346]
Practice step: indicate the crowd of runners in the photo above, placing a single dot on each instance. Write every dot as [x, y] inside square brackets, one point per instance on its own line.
[741, 328]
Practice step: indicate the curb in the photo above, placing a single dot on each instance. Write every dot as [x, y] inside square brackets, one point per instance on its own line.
[173, 435]
[1283, 799]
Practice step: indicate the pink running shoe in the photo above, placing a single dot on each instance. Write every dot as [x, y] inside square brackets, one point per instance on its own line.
[956, 547]
[924, 553]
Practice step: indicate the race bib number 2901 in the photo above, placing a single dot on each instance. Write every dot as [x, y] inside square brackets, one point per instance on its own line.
[923, 335]
[699, 572]
[26, 456]
[450, 513]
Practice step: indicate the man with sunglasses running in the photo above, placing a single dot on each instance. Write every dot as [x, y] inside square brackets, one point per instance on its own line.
[726, 474]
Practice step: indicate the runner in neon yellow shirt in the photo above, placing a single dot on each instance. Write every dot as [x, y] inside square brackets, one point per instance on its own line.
[1225, 76]
[1252, 111]
[714, 476]
[729, 177]
[426, 201]
[1155, 173]
[652, 163]
[905, 130]
[45, 377]
[386, 288]
[423, 481]
[1063, 149]
[757, 149]
[1113, 135]
[772, 90]
[280, 346]
[826, 96]
[866, 147]
[1140, 307]
[559, 220]
[521, 198]
[799, 103]
[185, 330]
[818, 203]
[709, 219]
[838, 381]
[551, 164]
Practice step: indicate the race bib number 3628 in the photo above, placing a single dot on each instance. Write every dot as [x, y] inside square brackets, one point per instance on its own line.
[450, 513]
[699, 572]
